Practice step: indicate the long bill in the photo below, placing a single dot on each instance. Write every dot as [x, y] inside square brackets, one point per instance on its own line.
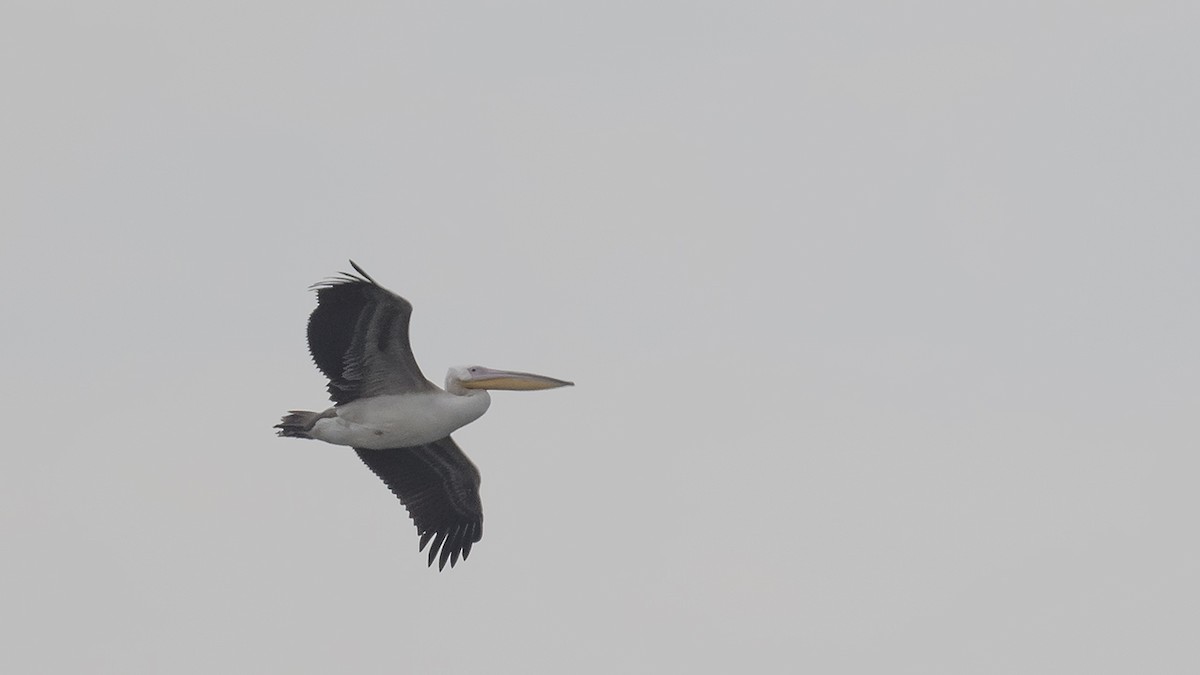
[490, 378]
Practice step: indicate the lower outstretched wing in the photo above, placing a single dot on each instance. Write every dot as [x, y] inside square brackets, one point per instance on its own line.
[439, 486]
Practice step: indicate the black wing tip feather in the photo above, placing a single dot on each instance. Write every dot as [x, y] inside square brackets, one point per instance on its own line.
[344, 278]
[450, 544]
[362, 272]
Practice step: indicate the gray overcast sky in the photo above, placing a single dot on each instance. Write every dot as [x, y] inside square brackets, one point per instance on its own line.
[883, 319]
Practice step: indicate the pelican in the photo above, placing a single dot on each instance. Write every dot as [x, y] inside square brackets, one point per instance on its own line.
[397, 421]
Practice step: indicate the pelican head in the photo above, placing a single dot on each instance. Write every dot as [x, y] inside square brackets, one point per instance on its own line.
[461, 378]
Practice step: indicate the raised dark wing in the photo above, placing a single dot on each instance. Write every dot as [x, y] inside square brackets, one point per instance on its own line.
[358, 337]
[440, 488]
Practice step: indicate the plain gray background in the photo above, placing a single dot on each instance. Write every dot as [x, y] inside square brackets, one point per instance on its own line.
[883, 319]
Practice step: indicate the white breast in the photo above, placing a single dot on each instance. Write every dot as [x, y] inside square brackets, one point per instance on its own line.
[401, 420]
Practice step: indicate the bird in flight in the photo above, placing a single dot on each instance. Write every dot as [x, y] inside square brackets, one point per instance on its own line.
[397, 421]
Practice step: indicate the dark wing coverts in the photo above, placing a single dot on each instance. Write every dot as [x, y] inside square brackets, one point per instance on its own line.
[440, 488]
[358, 337]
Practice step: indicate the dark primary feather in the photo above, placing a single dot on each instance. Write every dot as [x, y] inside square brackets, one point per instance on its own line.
[440, 488]
[358, 337]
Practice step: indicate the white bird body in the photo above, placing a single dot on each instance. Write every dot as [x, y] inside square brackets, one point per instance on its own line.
[400, 420]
